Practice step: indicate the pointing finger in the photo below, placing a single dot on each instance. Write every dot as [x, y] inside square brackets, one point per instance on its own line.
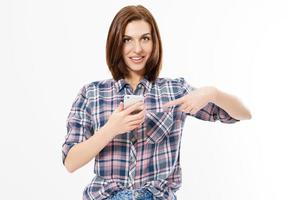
[174, 102]
[133, 107]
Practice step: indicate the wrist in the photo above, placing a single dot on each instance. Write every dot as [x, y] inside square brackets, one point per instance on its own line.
[108, 131]
[214, 94]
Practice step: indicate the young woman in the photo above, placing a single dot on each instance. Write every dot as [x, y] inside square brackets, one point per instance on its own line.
[137, 155]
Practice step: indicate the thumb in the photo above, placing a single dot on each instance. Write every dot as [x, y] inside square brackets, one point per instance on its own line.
[120, 107]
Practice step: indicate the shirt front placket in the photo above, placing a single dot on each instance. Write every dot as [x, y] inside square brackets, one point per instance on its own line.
[133, 140]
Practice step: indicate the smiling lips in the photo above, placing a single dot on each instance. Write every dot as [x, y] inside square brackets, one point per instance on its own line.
[137, 59]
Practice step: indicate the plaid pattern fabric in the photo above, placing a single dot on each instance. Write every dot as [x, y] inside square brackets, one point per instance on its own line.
[147, 157]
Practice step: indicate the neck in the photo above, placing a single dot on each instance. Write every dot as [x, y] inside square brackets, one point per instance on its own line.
[134, 77]
[133, 80]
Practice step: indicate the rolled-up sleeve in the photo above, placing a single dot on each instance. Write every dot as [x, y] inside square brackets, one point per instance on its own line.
[79, 123]
[211, 112]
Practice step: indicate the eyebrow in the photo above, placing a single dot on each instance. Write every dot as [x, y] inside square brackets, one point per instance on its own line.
[141, 35]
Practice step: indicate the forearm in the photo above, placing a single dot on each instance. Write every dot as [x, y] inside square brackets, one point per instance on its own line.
[80, 154]
[231, 104]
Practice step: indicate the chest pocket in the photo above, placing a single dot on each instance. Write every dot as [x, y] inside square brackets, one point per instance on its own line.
[158, 126]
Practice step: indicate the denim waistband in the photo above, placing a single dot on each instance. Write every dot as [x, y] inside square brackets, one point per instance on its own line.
[137, 194]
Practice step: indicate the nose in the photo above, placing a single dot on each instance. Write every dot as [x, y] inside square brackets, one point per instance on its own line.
[138, 47]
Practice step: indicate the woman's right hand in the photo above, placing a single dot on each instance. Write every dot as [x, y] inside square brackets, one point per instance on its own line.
[121, 120]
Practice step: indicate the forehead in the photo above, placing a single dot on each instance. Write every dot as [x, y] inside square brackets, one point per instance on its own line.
[137, 28]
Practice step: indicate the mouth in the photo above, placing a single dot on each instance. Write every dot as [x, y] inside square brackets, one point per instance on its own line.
[137, 59]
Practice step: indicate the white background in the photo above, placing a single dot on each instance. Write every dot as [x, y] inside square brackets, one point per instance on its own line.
[50, 49]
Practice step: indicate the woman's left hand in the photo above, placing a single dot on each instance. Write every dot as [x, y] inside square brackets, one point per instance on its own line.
[195, 100]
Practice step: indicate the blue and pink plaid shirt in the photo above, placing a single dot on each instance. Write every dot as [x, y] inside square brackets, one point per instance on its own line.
[148, 157]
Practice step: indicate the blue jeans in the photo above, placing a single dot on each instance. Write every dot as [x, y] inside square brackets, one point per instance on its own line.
[138, 194]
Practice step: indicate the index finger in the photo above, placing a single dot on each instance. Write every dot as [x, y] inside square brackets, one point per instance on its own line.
[174, 102]
[133, 107]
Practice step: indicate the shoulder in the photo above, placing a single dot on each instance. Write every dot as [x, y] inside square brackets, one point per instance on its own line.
[89, 89]
[170, 81]
[106, 83]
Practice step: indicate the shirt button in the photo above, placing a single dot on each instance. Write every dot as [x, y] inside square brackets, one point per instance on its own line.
[136, 194]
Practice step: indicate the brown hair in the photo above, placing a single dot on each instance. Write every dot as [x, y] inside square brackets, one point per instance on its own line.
[114, 43]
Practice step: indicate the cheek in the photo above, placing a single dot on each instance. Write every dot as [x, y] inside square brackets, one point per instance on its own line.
[125, 50]
[124, 55]
[149, 48]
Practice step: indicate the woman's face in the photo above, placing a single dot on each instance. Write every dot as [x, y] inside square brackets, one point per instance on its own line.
[137, 46]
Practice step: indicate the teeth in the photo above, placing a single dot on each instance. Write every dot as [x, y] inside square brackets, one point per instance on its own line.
[136, 58]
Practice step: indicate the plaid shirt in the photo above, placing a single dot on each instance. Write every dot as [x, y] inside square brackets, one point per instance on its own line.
[147, 157]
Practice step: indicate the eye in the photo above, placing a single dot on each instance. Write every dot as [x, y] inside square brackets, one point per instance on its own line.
[125, 40]
[146, 38]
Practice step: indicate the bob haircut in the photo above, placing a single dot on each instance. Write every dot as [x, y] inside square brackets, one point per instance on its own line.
[114, 43]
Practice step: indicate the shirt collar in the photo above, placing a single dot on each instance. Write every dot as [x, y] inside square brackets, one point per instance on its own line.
[121, 83]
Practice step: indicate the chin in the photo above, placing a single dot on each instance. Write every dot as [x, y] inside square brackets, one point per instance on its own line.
[136, 68]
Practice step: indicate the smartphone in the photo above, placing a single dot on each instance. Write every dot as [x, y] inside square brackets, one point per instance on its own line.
[129, 100]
